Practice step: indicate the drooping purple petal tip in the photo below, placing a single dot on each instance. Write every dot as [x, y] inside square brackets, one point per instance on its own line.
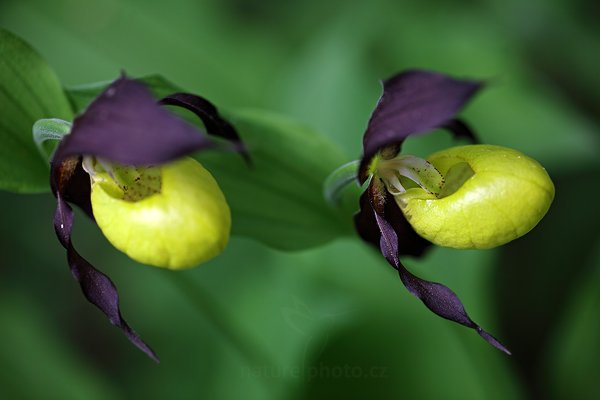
[444, 302]
[437, 297]
[208, 113]
[414, 102]
[96, 286]
[125, 124]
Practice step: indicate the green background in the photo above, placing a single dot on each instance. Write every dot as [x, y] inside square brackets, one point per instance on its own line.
[334, 320]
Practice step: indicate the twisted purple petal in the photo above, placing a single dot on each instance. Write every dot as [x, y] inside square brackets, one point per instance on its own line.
[97, 288]
[437, 297]
[364, 221]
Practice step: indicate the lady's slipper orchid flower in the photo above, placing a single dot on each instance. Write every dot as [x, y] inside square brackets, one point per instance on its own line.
[476, 196]
[122, 164]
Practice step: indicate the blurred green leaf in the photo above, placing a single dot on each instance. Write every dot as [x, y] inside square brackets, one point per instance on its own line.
[38, 364]
[537, 275]
[384, 343]
[573, 363]
[279, 199]
[328, 83]
[378, 357]
[29, 91]
[519, 108]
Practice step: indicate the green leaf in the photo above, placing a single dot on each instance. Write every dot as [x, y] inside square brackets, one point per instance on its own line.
[279, 199]
[573, 362]
[35, 349]
[29, 91]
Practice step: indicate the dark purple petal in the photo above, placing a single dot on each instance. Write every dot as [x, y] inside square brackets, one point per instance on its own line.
[413, 102]
[125, 124]
[438, 298]
[364, 221]
[97, 287]
[461, 130]
[73, 182]
[208, 113]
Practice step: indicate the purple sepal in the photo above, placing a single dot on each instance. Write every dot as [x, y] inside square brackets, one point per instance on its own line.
[96, 286]
[413, 102]
[208, 113]
[438, 298]
[125, 124]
